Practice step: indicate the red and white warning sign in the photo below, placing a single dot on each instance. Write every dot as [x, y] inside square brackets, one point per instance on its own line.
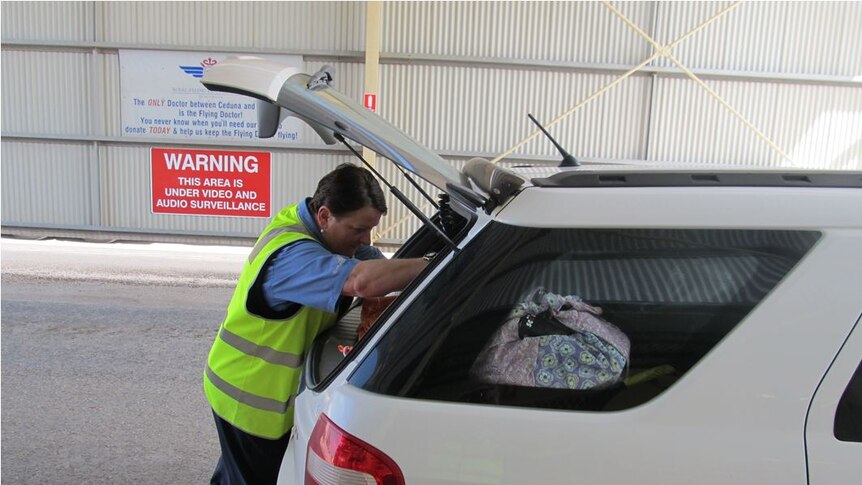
[371, 101]
[210, 182]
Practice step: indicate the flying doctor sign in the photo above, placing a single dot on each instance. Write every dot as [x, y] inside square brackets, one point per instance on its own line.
[162, 97]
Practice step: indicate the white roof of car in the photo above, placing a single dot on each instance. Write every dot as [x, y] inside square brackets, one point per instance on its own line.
[531, 171]
[635, 173]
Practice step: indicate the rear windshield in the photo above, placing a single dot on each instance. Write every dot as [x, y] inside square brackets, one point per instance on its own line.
[581, 319]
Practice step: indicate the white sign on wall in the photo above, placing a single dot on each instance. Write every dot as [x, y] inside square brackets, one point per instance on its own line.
[162, 97]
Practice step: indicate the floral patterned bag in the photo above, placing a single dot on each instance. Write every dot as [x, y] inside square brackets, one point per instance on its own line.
[554, 341]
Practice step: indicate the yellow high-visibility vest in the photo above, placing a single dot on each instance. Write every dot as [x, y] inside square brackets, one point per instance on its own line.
[254, 366]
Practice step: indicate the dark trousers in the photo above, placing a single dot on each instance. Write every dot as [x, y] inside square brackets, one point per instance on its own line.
[246, 459]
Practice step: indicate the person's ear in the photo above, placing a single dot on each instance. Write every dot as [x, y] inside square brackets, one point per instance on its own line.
[324, 215]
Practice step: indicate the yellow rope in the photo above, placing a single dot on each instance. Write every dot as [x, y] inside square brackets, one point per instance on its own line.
[665, 51]
[732, 110]
[660, 51]
[577, 107]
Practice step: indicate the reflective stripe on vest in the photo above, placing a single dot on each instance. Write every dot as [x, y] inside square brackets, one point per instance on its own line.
[254, 366]
[247, 398]
[271, 235]
[261, 351]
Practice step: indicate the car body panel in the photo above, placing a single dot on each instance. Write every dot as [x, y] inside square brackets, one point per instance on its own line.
[289, 473]
[738, 416]
[757, 407]
[829, 459]
[685, 207]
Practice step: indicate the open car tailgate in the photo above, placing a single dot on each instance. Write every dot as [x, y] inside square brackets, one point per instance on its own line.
[283, 92]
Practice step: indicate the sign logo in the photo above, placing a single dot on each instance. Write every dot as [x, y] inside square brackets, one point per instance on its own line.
[197, 72]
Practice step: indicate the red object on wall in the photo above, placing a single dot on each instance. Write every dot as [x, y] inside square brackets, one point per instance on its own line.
[210, 182]
[371, 101]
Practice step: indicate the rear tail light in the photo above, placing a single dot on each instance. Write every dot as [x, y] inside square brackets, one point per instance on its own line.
[336, 458]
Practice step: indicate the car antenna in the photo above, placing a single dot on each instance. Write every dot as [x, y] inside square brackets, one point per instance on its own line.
[568, 159]
[400, 196]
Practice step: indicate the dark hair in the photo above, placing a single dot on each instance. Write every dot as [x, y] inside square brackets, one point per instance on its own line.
[346, 189]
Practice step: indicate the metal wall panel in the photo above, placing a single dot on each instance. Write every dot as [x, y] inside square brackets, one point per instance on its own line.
[314, 26]
[127, 198]
[288, 26]
[552, 31]
[690, 126]
[46, 92]
[484, 110]
[47, 21]
[213, 24]
[821, 38]
[816, 126]
[46, 183]
[112, 124]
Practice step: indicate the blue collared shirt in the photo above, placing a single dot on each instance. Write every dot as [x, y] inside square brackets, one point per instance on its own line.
[307, 272]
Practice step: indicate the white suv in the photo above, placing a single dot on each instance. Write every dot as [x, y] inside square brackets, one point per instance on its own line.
[739, 293]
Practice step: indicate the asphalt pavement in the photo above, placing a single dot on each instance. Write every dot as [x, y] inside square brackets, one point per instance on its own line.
[103, 350]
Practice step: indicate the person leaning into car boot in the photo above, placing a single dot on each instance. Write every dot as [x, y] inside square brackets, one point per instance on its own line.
[305, 267]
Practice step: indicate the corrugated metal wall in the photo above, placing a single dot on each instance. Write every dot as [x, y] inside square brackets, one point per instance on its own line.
[484, 110]
[48, 21]
[284, 26]
[47, 92]
[458, 76]
[538, 31]
[816, 126]
[780, 37]
[48, 182]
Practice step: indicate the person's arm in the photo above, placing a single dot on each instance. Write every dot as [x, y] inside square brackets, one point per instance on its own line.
[365, 253]
[305, 274]
[379, 277]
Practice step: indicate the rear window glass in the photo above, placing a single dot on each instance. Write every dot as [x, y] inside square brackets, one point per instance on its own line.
[581, 319]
